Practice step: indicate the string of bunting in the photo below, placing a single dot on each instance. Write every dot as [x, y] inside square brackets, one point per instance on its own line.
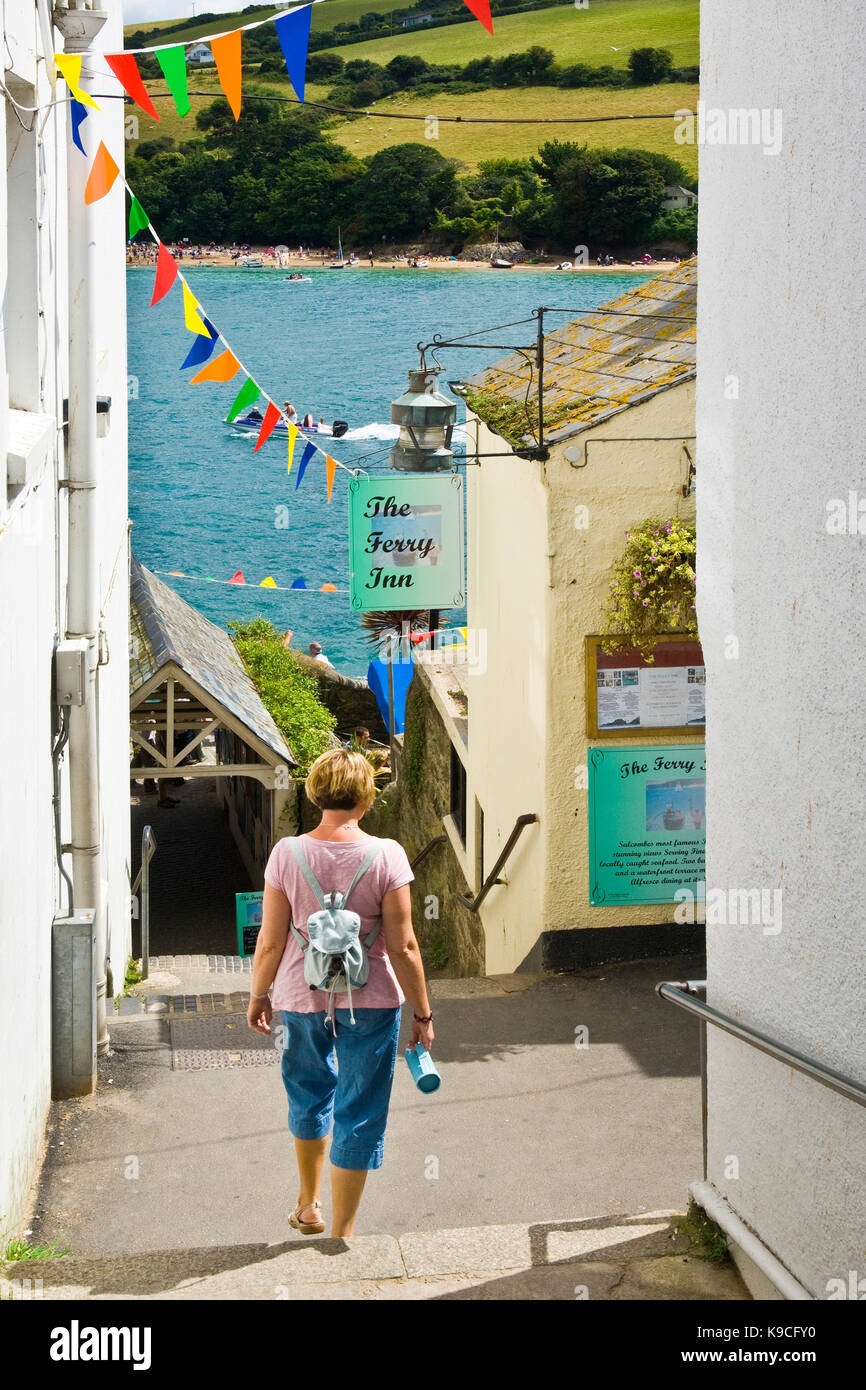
[298, 585]
[293, 33]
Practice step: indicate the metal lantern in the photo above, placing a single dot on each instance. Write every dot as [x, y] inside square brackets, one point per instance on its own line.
[426, 419]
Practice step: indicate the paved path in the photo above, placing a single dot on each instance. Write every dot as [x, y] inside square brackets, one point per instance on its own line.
[163, 1166]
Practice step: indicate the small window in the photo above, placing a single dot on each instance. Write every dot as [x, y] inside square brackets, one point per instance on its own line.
[458, 794]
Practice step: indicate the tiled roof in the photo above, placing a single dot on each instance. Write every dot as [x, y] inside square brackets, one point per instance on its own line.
[164, 628]
[602, 363]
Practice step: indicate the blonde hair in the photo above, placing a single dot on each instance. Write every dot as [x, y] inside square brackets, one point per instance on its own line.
[339, 780]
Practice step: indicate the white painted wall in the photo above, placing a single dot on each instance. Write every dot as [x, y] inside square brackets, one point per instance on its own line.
[33, 552]
[781, 309]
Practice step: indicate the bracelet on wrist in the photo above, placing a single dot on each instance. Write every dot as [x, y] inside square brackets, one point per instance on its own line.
[259, 996]
[419, 1019]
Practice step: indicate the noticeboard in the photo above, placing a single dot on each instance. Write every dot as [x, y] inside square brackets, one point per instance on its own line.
[248, 915]
[406, 542]
[626, 695]
[647, 823]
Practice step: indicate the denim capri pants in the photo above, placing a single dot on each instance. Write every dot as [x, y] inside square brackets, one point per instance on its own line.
[346, 1079]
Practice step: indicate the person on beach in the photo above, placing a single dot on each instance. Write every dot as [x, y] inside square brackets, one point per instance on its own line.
[318, 655]
[339, 1074]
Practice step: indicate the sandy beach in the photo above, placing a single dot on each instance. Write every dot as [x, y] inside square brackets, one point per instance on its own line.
[294, 262]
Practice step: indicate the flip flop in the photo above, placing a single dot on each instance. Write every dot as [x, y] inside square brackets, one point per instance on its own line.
[307, 1228]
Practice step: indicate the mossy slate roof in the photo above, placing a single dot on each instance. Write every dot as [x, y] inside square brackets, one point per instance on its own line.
[602, 363]
[165, 628]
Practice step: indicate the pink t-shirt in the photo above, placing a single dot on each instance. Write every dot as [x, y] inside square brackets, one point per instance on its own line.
[335, 865]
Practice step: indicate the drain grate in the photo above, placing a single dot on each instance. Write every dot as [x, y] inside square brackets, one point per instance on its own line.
[214, 1043]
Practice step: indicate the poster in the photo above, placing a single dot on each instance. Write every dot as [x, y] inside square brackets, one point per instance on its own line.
[248, 916]
[626, 692]
[647, 823]
[406, 542]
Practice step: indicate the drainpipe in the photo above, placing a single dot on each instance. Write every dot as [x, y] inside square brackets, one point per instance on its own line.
[79, 27]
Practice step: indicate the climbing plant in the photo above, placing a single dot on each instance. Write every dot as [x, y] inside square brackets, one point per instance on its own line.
[652, 588]
[289, 694]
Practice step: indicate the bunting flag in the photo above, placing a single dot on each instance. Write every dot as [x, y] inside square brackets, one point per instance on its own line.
[293, 32]
[202, 348]
[238, 578]
[328, 589]
[330, 472]
[293, 434]
[166, 274]
[173, 63]
[481, 11]
[125, 69]
[69, 65]
[191, 316]
[138, 218]
[223, 369]
[298, 584]
[268, 583]
[226, 50]
[77, 114]
[272, 415]
[248, 393]
[309, 450]
[103, 172]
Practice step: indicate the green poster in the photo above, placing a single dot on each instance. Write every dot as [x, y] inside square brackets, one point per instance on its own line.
[248, 917]
[406, 542]
[647, 823]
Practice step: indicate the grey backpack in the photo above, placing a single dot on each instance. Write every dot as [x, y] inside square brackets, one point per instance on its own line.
[335, 957]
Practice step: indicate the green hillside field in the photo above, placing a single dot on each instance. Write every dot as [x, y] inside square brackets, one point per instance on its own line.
[325, 16]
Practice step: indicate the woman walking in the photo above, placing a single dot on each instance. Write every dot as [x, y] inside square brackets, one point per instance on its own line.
[355, 1097]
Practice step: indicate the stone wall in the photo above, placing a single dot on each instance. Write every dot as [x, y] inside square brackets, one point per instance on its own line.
[411, 811]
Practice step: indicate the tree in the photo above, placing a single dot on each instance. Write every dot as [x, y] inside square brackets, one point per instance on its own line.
[678, 224]
[404, 67]
[610, 195]
[650, 65]
[324, 65]
[403, 187]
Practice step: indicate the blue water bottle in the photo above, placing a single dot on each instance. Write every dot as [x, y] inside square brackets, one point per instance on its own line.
[423, 1069]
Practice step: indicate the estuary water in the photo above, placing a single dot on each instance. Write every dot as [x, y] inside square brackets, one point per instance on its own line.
[339, 345]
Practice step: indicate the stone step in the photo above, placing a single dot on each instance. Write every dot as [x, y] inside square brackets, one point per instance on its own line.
[609, 1258]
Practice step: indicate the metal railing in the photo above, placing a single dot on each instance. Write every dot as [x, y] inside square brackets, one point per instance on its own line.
[493, 877]
[691, 996]
[422, 853]
[148, 850]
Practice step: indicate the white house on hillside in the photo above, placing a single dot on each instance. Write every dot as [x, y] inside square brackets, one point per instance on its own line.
[199, 54]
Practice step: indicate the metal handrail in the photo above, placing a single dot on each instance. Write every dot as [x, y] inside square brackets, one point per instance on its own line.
[493, 877]
[422, 853]
[684, 994]
[148, 850]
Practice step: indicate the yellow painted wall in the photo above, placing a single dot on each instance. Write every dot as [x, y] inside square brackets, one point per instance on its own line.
[537, 588]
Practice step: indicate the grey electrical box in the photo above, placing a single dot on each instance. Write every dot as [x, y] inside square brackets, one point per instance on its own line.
[70, 671]
[73, 1005]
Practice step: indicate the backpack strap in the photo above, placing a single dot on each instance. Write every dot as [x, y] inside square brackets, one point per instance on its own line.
[304, 866]
[365, 864]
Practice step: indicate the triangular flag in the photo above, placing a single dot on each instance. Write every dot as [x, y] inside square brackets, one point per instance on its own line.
[237, 578]
[138, 218]
[330, 472]
[77, 114]
[223, 369]
[293, 434]
[125, 69]
[180, 574]
[226, 52]
[248, 393]
[481, 11]
[191, 316]
[328, 589]
[166, 274]
[268, 583]
[298, 584]
[103, 172]
[305, 459]
[70, 69]
[201, 348]
[293, 32]
[173, 63]
[272, 415]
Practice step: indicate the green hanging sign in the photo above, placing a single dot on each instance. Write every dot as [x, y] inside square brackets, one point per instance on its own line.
[406, 542]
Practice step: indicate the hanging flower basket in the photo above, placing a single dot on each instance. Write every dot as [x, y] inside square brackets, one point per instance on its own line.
[652, 588]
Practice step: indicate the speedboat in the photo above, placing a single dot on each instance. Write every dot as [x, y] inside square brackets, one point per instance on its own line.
[563, 265]
[254, 262]
[251, 423]
[498, 263]
[298, 279]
